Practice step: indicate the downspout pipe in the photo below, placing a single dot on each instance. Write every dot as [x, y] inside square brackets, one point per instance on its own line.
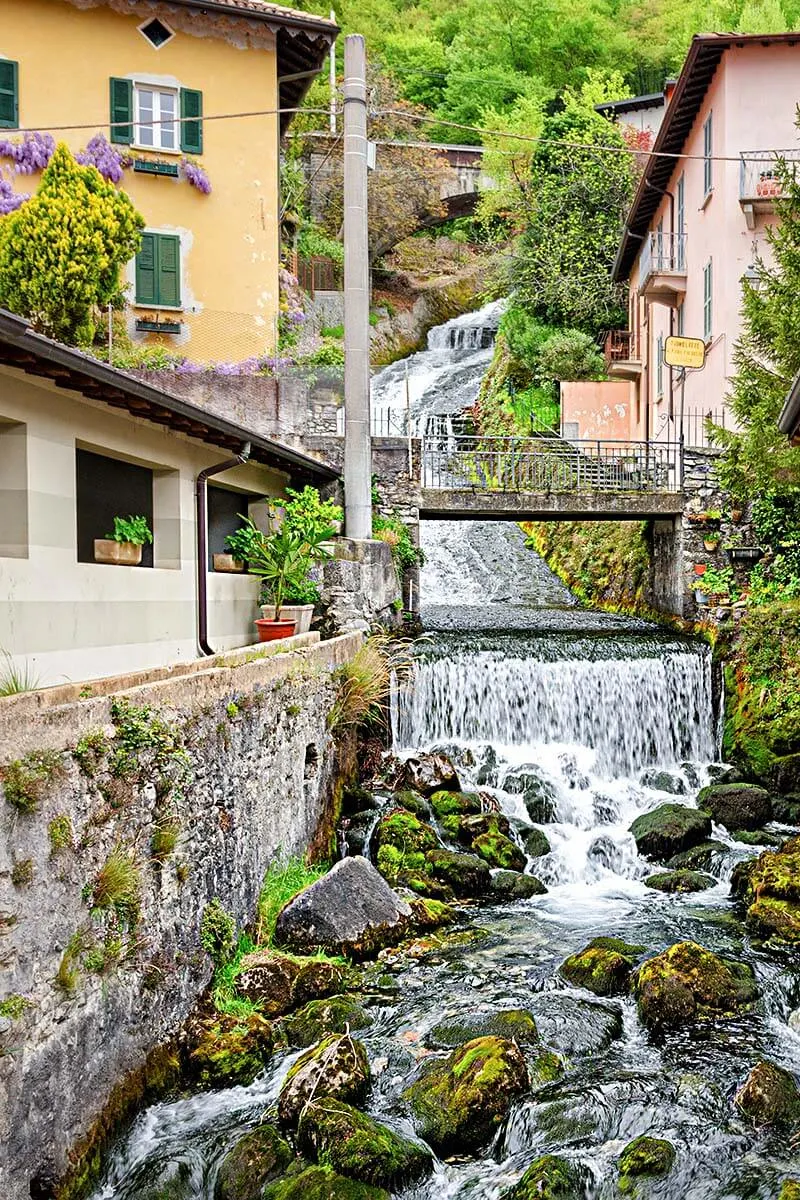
[201, 508]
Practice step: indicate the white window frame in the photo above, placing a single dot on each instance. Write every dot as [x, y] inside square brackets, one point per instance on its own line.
[708, 301]
[708, 156]
[157, 130]
[141, 28]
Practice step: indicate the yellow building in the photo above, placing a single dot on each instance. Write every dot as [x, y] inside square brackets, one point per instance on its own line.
[184, 91]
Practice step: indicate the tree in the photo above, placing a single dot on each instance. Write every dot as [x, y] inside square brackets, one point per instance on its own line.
[61, 252]
[577, 196]
[759, 460]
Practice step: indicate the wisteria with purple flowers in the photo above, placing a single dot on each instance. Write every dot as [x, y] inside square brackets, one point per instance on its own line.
[10, 200]
[109, 161]
[31, 154]
[194, 174]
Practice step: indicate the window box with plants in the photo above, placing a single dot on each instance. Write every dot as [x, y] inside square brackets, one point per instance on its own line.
[710, 519]
[123, 547]
[238, 545]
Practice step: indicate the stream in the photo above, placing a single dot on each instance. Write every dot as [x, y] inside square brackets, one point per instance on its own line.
[606, 717]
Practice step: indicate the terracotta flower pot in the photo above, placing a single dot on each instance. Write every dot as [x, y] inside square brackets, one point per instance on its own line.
[301, 614]
[271, 631]
[710, 545]
[123, 554]
[226, 562]
[700, 568]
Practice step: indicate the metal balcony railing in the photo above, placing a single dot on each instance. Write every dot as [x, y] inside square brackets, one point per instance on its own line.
[548, 464]
[662, 254]
[759, 174]
[621, 345]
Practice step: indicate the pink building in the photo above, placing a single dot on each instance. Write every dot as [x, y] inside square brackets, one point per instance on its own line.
[697, 221]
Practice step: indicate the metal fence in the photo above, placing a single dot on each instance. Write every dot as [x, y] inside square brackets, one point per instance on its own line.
[621, 345]
[696, 433]
[759, 174]
[662, 254]
[318, 274]
[550, 465]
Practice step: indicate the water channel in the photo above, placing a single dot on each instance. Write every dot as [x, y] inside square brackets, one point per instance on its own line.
[608, 718]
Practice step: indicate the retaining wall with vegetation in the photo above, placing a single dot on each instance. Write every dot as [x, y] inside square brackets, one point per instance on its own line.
[136, 808]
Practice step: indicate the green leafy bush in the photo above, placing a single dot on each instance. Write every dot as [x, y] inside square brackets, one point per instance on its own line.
[329, 354]
[313, 242]
[308, 515]
[62, 252]
[131, 529]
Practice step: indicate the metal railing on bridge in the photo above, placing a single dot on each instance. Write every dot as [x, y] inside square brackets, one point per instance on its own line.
[508, 464]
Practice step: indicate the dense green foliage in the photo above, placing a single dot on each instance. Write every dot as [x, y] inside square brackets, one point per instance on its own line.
[605, 563]
[61, 253]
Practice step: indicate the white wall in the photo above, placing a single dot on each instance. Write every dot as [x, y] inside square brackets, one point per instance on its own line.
[70, 620]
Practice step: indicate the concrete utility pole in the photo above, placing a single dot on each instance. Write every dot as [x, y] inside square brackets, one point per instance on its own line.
[357, 445]
[332, 80]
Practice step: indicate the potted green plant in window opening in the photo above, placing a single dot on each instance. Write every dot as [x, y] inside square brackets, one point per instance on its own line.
[316, 522]
[124, 546]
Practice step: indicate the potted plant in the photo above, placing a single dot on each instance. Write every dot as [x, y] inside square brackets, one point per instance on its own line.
[124, 546]
[700, 568]
[239, 544]
[282, 560]
[711, 541]
[716, 586]
[300, 599]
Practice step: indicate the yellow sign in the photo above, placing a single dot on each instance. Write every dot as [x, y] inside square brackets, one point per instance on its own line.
[685, 352]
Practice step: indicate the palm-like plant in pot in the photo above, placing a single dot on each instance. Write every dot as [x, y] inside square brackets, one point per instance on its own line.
[283, 561]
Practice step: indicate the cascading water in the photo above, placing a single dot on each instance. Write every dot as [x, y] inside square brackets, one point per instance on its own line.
[574, 723]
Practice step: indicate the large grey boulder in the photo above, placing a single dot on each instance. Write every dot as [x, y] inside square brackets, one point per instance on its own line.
[351, 911]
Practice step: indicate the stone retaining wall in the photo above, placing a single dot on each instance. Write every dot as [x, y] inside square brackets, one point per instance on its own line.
[194, 784]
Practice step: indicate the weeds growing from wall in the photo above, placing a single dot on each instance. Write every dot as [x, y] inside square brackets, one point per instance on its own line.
[15, 679]
[22, 872]
[146, 740]
[14, 1006]
[59, 831]
[364, 683]
[90, 751]
[25, 780]
[164, 838]
[218, 933]
[117, 887]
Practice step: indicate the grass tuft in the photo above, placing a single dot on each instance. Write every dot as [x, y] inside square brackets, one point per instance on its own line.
[282, 883]
[25, 780]
[15, 679]
[117, 886]
[365, 681]
[164, 839]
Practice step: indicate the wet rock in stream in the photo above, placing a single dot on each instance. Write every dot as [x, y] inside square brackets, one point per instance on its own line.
[770, 1096]
[679, 882]
[321, 1183]
[335, 1067]
[686, 982]
[322, 1017]
[736, 805]
[515, 1023]
[458, 1104]
[219, 1050]
[511, 885]
[358, 1146]
[548, 1178]
[576, 1026]
[769, 886]
[669, 829]
[647, 1157]
[255, 1160]
[603, 967]
[427, 773]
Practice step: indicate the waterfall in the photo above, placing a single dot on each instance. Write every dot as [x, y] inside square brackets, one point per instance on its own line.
[631, 713]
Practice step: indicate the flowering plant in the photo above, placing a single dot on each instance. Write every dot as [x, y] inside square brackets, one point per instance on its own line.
[32, 153]
[10, 200]
[195, 175]
[109, 161]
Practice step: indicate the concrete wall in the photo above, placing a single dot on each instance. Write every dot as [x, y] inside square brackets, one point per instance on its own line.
[75, 620]
[229, 239]
[599, 410]
[249, 780]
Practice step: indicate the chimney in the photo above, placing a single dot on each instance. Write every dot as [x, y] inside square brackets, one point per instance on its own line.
[669, 88]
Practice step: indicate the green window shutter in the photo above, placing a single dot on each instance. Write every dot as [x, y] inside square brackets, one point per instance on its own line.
[122, 111]
[169, 270]
[9, 94]
[146, 270]
[191, 125]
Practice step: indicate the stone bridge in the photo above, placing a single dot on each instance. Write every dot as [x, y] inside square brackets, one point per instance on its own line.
[537, 479]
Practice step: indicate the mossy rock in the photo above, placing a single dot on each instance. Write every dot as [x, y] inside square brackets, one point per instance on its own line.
[428, 913]
[770, 887]
[536, 843]
[548, 1178]
[267, 979]
[644, 1156]
[670, 829]
[663, 781]
[319, 1018]
[697, 858]
[736, 805]
[467, 874]
[603, 967]
[353, 1144]
[538, 795]
[458, 1104]
[678, 882]
[770, 1096]
[499, 851]
[515, 1023]
[786, 809]
[686, 982]
[316, 980]
[414, 803]
[512, 885]
[336, 1067]
[404, 832]
[469, 828]
[393, 862]
[225, 1051]
[455, 804]
[322, 1183]
[759, 837]
[422, 884]
[357, 799]
[790, 1190]
[546, 1067]
[255, 1160]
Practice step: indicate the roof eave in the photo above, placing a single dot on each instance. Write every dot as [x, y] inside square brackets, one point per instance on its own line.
[789, 419]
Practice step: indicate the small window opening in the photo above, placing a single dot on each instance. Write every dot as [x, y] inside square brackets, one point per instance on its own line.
[108, 488]
[157, 33]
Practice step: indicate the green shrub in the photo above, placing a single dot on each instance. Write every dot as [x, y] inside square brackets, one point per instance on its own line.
[329, 354]
[90, 750]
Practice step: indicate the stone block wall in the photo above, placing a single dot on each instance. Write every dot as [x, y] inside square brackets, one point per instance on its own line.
[182, 789]
[360, 587]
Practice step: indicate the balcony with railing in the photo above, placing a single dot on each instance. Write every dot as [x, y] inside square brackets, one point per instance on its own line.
[760, 183]
[622, 355]
[662, 268]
